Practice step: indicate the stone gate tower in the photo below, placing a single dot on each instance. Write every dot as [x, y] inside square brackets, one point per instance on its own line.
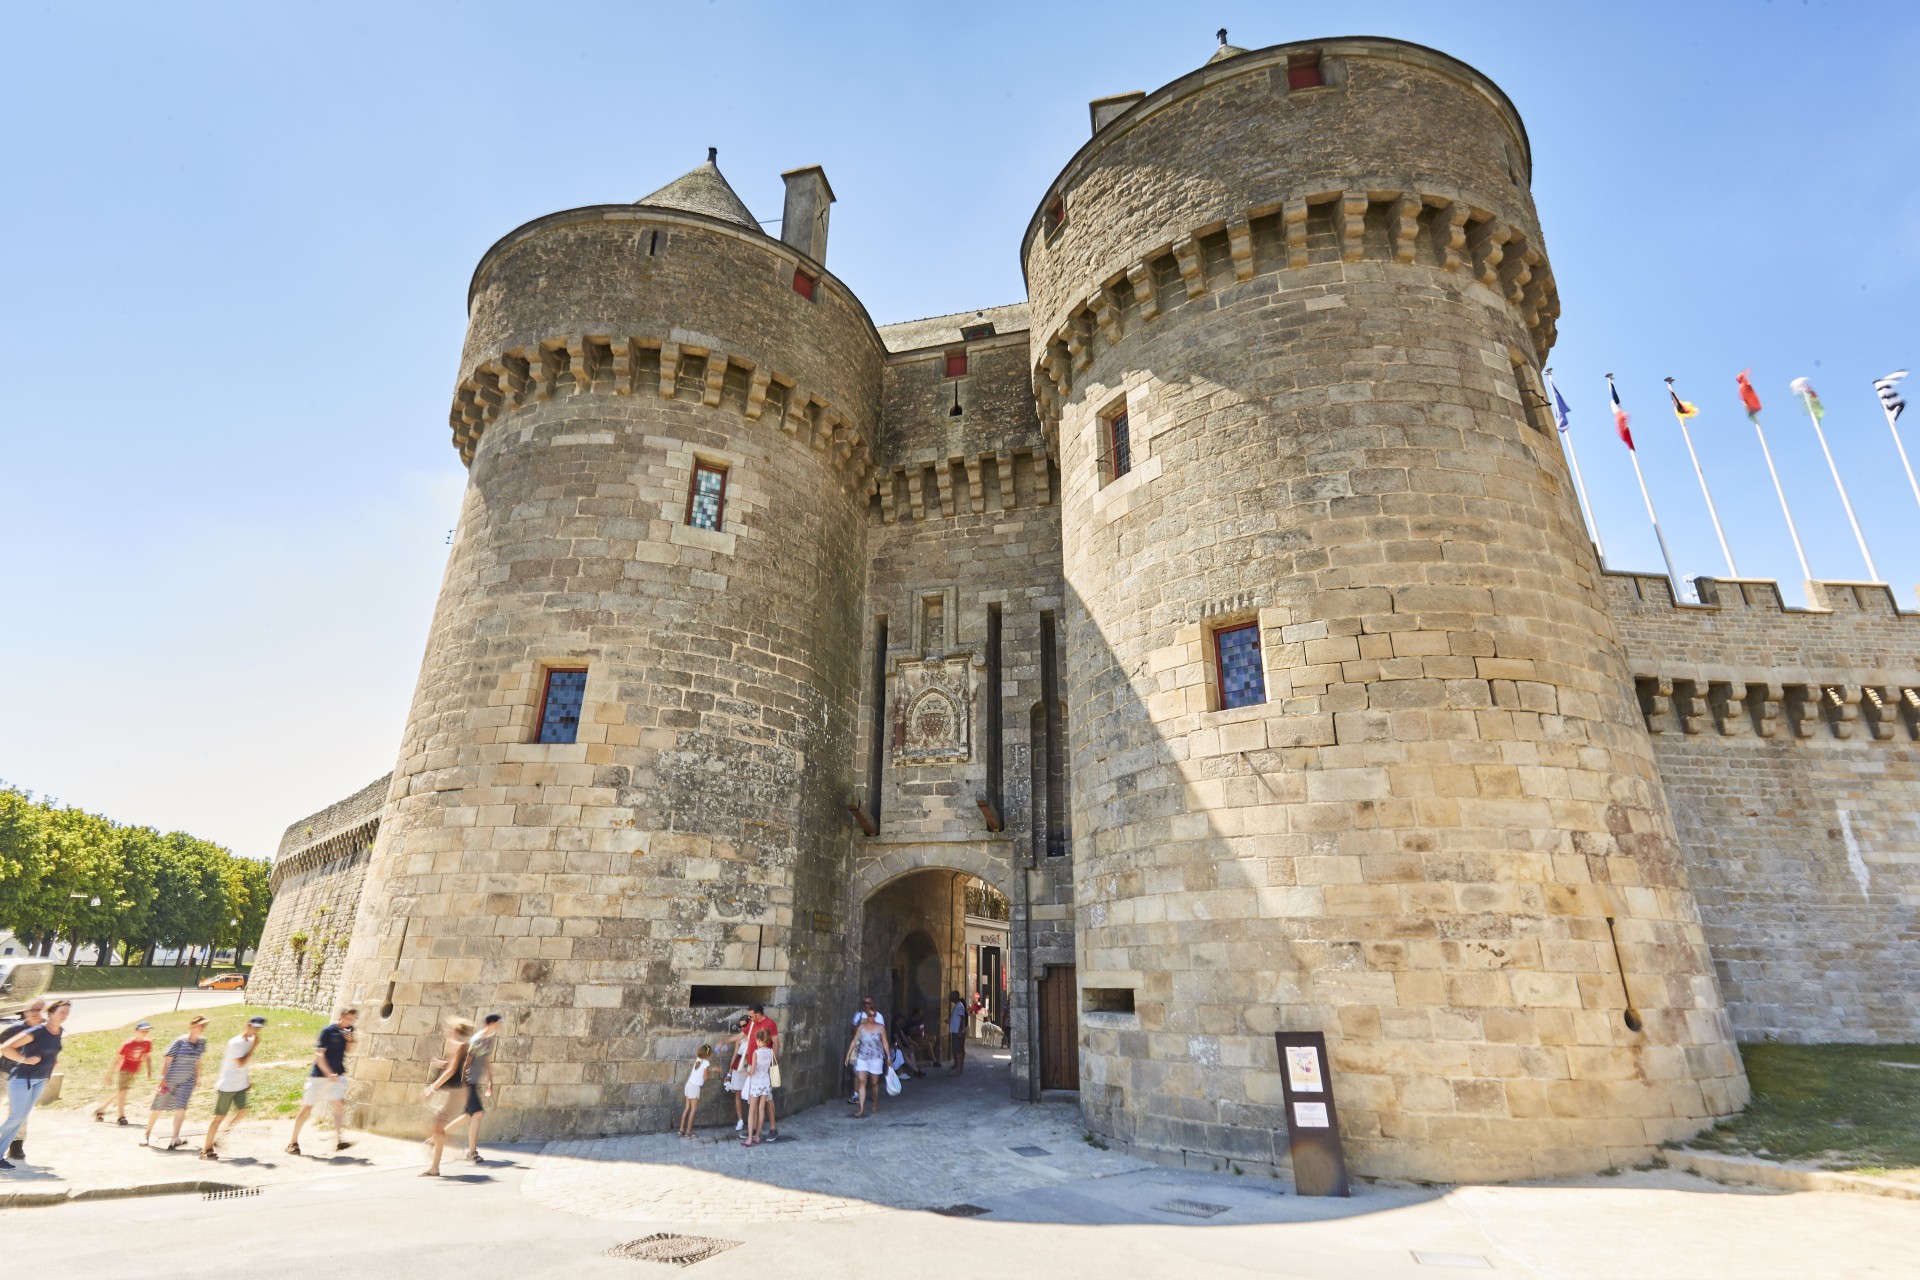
[1288, 313]
[666, 416]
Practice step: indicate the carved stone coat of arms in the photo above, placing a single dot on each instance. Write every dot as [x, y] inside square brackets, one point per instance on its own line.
[933, 711]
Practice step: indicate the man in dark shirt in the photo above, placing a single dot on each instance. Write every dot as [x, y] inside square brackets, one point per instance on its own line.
[327, 1081]
[32, 1053]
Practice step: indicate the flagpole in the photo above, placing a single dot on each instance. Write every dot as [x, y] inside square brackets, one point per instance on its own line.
[1806, 574]
[1586, 508]
[1673, 575]
[1893, 425]
[1580, 484]
[1733, 570]
[1807, 398]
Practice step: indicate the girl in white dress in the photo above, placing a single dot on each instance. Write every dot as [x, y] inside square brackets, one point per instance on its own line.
[696, 1078]
[759, 1088]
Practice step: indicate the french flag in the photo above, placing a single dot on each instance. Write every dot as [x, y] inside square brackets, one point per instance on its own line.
[1619, 414]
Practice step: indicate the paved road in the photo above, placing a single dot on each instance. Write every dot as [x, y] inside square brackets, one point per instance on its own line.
[104, 1010]
[839, 1197]
[1653, 1226]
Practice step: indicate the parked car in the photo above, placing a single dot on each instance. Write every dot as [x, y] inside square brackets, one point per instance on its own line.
[21, 981]
[224, 982]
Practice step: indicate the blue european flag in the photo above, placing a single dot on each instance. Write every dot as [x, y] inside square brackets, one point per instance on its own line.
[1560, 410]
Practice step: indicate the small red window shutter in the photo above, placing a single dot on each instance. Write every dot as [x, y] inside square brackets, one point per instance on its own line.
[1304, 74]
[956, 364]
[803, 285]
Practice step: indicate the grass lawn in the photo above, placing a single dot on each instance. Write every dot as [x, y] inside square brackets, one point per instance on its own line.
[1838, 1105]
[287, 1040]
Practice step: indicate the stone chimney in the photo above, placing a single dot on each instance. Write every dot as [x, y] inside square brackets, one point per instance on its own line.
[1105, 110]
[803, 223]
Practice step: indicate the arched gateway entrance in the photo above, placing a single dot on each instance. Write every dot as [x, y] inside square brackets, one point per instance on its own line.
[937, 930]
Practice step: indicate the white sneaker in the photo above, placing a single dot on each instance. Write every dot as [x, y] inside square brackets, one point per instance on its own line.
[739, 1126]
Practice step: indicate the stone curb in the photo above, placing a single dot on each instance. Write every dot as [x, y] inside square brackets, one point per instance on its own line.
[1764, 1173]
[39, 1199]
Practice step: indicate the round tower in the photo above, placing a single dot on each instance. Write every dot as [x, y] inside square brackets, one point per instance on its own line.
[617, 815]
[1354, 746]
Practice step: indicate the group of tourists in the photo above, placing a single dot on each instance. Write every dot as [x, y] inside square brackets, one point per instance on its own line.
[875, 1058]
[30, 1048]
[461, 1077]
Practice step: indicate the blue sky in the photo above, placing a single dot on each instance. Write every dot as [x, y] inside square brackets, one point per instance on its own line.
[238, 239]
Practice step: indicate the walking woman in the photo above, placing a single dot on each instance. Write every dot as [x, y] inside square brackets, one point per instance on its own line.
[479, 1079]
[177, 1085]
[870, 1053]
[446, 1095]
[759, 1090]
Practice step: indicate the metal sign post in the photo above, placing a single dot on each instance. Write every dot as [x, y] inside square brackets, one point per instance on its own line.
[1313, 1125]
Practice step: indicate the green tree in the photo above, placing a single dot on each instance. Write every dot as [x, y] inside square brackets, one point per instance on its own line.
[133, 890]
[22, 856]
[249, 897]
[189, 892]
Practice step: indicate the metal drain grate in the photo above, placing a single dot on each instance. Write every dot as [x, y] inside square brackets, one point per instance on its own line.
[681, 1251]
[1192, 1208]
[962, 1211]
[1468, 1261]
[229, 1193]
[1030, 1151]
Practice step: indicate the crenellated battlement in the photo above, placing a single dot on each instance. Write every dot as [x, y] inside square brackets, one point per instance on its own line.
[1440, 227]
[1744, 663]
[1762, 595]
[580, 364]
[930, 488]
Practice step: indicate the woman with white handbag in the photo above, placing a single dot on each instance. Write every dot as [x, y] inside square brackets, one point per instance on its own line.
[870, 1053]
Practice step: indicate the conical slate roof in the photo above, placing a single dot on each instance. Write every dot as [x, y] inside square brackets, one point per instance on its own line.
[702, 190]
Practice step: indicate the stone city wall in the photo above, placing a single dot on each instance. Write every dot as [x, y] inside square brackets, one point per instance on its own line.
[317, 877]
[1789, 744]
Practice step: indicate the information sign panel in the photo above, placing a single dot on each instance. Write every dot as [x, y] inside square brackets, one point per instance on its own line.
[1313, 1123]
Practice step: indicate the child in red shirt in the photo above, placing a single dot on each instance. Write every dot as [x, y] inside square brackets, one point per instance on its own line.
[136, 1053]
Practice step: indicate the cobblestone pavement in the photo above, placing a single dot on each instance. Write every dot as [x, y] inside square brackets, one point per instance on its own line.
[944, 1141]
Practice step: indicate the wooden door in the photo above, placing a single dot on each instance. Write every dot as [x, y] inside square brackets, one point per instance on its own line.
[1060, 1028]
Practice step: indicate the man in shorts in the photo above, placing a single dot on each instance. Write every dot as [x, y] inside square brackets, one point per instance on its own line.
[136, 1052]
[230, 1087]
[327, 1082]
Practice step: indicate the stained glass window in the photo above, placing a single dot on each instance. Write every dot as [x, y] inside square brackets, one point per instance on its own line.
[560, 709]
[1119, 445]
[706, 504]
[1237, 652]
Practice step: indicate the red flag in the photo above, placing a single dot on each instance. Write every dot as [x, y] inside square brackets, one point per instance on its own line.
[1748, 396]
[1619, 415]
